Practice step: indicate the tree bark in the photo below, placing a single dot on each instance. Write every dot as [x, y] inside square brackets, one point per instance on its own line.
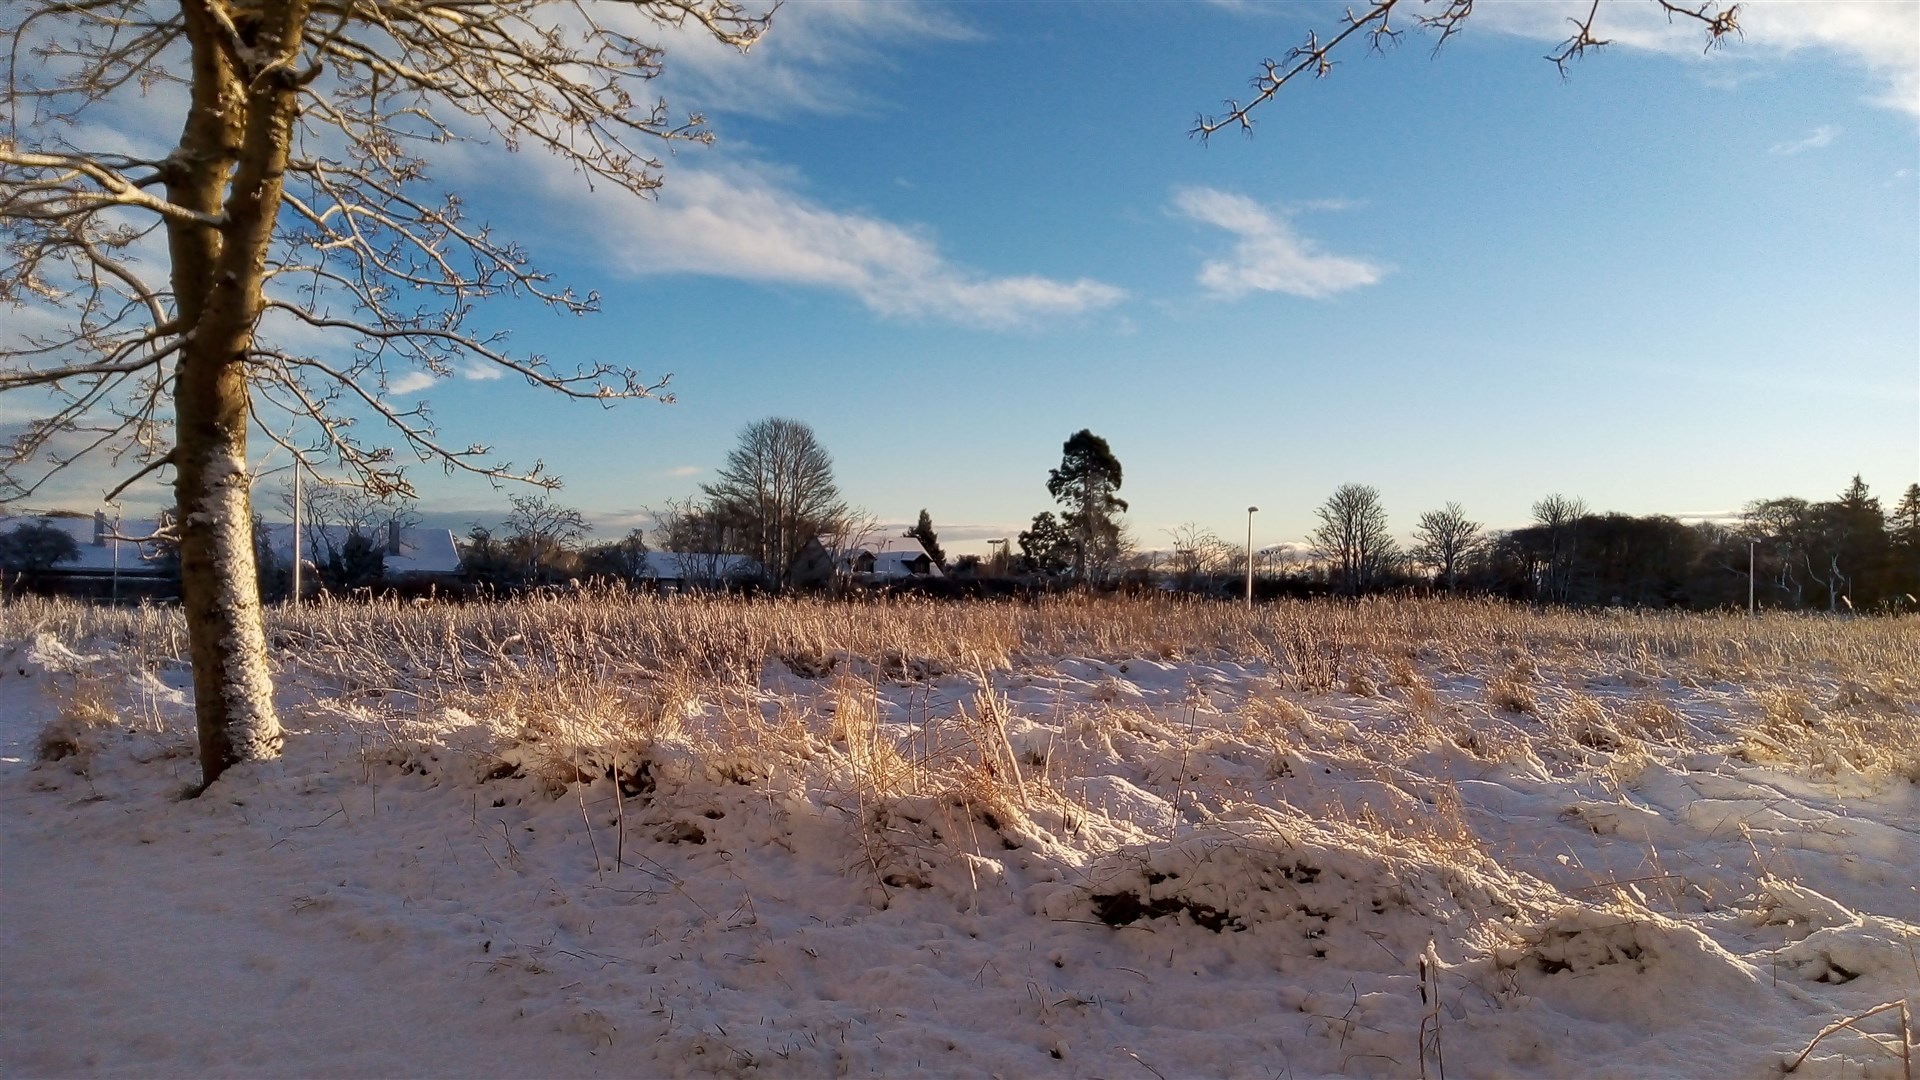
[235, 146]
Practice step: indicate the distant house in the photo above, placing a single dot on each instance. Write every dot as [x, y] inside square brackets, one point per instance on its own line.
[411, 554]
[121, 557]
[893, 558]
[687, 571]
[108, 565]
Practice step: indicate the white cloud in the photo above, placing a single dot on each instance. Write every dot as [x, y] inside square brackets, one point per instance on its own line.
[747, 224]
[804, 62]
[684, 470]
[1882, 37]
[411, 382]
[1269, 255]
[1814, 140]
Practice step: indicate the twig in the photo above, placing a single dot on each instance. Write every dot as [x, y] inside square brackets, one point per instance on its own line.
[1906, 1035]
[1142, 1063]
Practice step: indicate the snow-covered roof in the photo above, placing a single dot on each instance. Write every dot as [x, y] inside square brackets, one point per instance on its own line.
[891, 554]
[133, 558]
[422, 550]
[679, 565]
[892, 564]
[889, 545]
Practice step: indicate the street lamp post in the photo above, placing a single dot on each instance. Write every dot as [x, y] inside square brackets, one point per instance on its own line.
[1251, 510]
[1750, 544]
[294, 599]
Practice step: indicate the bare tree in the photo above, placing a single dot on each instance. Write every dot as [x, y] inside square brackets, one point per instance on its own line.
[1352, 539]
[1444, 540]
[332, 515]
[1559, 517]
[1200, 557]
[622, 560]
[164, 282]
[698, 540]
[777, 485]
[1373, 23]
[539, 529]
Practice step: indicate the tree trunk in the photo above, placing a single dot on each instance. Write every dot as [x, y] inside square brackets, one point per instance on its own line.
[234, 148]
[232, 690]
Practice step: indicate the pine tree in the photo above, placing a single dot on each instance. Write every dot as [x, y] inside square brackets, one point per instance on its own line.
[1905, 524]
[923, 532]
[1084, 484]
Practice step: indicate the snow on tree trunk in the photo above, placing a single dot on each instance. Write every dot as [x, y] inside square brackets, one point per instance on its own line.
[233, 690]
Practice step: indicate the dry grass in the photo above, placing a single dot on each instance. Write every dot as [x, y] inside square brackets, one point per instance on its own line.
[613, 668]
[722, 637]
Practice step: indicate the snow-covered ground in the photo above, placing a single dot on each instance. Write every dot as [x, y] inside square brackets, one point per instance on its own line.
[1149, 862]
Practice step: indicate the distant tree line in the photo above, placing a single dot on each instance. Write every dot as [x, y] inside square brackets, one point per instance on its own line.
[1843, 554]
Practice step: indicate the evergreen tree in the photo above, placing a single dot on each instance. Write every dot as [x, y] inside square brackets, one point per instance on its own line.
[30, 549]
[1856, 573]
[1904, 530]
[1084, 485]
[359, 562]
[923, 532]
[1905, 522]
[1046, 548]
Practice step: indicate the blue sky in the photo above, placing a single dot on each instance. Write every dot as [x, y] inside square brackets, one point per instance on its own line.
[949, 236]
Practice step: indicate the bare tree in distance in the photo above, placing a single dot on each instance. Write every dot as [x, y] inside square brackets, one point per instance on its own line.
[1444, 539]
[1199, 557]
[777, 488]
[332, 514]
[1373, 23]
[1559, 516]
[1353, 540]
[540, 529]
[696, 539]
[168, 284]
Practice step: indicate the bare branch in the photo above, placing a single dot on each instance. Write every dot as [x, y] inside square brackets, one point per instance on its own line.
[1316, 57]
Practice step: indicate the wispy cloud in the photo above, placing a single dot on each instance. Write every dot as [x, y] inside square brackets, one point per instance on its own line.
[1814, 140]
[749, 224]
[684, 470]
[1269, 256]
[805, 63]
[1881, 37]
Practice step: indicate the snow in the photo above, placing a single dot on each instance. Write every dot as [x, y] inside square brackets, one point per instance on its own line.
[1086, 865]
[253, 728]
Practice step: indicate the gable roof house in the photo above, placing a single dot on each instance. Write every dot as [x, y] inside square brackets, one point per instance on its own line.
[891, 558]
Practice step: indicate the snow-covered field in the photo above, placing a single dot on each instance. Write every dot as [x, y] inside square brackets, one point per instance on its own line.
[1124, 839]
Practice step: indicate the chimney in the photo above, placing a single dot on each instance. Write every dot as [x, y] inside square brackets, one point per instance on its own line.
[393, 537]
[99, 528]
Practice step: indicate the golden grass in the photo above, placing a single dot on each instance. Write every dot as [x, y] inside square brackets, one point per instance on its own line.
[1816, 691]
